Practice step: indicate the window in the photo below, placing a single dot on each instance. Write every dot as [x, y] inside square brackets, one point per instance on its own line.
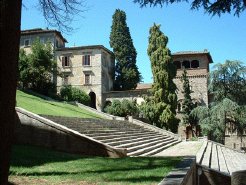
[194, 64]
[177, 64]
[26, 42]
[87, 79]
[86, 60]
[186, 64]
[65, 61]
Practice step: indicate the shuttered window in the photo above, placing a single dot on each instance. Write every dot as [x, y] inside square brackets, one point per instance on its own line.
[86, 60]
[65, 61]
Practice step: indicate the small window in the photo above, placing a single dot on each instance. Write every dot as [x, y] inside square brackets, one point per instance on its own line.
[194, 64]
[87, 79]
[65, 61]
[186, 64]
[177, 64]
[86, 60]
[27, 42]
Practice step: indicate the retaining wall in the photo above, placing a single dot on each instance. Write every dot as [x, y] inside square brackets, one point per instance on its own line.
[35, 130]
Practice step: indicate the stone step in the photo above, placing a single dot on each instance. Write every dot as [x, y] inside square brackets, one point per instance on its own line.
[137, 143]
[110, 131]
[101, 138]
[147, 145]
[160, 149]
[120, 141]
[118, 133]
[141, 151]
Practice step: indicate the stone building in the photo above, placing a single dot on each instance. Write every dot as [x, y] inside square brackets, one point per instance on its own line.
[45, 35]
[90, 68]
[196, 64]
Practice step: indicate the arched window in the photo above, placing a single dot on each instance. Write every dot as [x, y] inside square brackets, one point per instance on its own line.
[186, 64]
[194, 64]
[177, 64]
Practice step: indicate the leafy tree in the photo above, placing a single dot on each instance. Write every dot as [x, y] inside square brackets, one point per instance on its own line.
[122, 108]
[160, 108]
[187, 105]
[70, 93]
[57, 12]
[214, 119]
[228, 87]
[216, 7]
[228, 80]
[36, 68]
[126, 71]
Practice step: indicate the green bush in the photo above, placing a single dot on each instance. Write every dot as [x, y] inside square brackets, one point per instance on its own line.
[122, 108]
[70, 93]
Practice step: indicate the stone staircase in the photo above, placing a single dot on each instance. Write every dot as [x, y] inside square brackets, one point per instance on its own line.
[137, 140]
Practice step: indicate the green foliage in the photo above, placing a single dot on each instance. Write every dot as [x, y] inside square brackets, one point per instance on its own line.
[160, 109]
[216, 7]
[126, 71]
[187, 105]
[122, 108]
[70, 93]
[228, 80]
[36, 69]
[213, 120]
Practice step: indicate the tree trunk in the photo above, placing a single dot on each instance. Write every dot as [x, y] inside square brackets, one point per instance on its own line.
[10, 18]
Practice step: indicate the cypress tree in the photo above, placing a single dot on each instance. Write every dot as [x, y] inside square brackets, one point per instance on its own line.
[126, 71]
[160, 109]
[187, 105]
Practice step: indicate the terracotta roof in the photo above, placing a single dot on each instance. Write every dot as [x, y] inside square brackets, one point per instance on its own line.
[144, 86]
[86, 47]
[205, 52]
[40, 30]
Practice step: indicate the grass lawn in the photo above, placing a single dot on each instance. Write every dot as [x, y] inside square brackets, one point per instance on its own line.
[34, 165]
[38, 105]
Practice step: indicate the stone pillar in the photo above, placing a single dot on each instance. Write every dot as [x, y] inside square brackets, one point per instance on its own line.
[238, 178]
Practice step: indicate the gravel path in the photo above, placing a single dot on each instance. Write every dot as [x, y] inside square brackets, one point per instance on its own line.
[185, 148]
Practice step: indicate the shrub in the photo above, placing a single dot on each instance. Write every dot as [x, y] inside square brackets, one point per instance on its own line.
[123, 109]
[70, 93]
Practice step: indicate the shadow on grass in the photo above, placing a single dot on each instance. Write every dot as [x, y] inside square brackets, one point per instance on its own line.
[97, 169]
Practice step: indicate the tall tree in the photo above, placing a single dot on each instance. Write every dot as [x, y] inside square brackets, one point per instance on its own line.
[10, 19]
[126, 71]
[228, 80]
[216, 7]
[160, 109]
[187, 104]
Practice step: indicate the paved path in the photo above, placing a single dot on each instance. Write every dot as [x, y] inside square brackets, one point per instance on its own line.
[185, 148]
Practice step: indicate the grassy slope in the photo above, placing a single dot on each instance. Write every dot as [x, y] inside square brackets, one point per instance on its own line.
[35, 165]
[38, 105]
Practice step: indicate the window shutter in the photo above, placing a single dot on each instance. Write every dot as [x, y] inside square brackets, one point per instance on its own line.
[83, 60]
[89, 60]
[63, 61]
[68, 61]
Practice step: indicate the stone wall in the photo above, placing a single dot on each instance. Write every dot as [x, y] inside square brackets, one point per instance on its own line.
[101, 70]
[234, 141]
[35, 130]
[137, 95]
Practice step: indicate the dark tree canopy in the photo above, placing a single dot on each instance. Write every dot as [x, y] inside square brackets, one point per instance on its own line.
[215, 7]
[127, 75]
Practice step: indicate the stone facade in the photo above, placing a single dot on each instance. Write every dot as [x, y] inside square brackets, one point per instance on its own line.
[90, 68]
[53, 36]
[197, 67]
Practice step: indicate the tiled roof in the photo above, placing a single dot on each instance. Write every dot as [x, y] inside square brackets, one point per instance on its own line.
[40, 30]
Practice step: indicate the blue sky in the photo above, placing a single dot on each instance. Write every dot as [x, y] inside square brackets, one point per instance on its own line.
[187, 30]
